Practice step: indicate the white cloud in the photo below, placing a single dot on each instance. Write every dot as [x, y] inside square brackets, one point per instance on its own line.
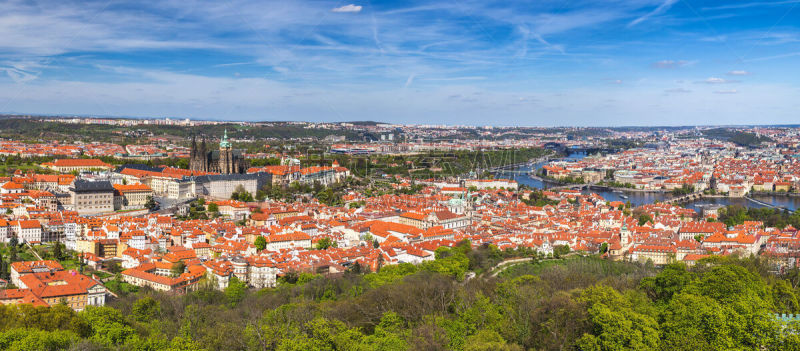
[731, 91]
[738, 73]
[409, 80]
[348, 8]
[18, 75]
[672, 63]
[716, 80]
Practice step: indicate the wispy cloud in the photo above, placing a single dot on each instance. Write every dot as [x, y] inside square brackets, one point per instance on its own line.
[773, 57]
[750, 4]
[409, 81]
[731, 91]
[664, 7]
[672, 63]
[677, 91]
[716, 80]
[738, 73]
[450, 79]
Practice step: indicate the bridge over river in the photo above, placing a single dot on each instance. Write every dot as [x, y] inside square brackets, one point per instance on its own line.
[685, 198]
[699, 195]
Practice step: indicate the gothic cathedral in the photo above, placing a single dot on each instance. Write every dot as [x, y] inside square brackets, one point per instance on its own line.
[225, 161]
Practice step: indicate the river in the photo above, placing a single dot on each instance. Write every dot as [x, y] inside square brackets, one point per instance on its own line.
[641, 198]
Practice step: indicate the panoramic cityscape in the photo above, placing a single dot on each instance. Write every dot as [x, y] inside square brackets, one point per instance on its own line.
[319, 175]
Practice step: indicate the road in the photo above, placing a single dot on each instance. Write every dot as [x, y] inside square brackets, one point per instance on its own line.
[34, 251]
[496, 269]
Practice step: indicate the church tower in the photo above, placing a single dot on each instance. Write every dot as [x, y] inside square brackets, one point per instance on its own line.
[194, 148]
[225, 155]
[197, 158]
[224, 161]
[202, 155]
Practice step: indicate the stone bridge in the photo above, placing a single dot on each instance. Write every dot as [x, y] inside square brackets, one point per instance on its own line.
[571, 186]
[685, 198]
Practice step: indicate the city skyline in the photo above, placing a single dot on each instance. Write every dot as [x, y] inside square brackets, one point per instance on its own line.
[468, 63]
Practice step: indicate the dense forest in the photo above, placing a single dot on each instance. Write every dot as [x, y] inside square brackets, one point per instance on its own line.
[571, 303]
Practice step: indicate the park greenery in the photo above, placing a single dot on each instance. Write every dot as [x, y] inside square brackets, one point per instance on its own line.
[437, 164]
[615, 184]
[737, 137]
[240, 194]
[574, 302]
[772, 217]
[685, 189]
[330, 194]
[562, 180]
[537, 198]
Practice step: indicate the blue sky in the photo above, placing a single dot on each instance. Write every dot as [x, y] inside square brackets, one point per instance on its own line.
[607, 63]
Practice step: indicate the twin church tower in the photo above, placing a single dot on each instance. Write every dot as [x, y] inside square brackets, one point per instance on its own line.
[226, 160]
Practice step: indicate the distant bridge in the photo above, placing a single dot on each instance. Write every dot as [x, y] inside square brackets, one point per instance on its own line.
[762, 203]
[685, 198]
[571, 186]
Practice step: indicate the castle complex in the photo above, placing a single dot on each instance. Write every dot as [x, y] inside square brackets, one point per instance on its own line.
[226, 160]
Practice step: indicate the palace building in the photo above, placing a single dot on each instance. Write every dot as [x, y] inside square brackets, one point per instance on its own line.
[226, 160]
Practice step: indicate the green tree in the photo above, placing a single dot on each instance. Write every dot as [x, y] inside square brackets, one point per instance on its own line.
[108, 326]
[36, 340]
[178, 268]
[692, 322]
[644, 218]
[57, 253]
[146, 309]
[670, 281]
[183, 344]
[560, 250]
[488, 340]
[260, 243]
[235, 291]
[325, 243]
[241, 194]
[616, 325]
[151, 203]
[114, 267]
[784, 297]
[12, 248]
[213, 207]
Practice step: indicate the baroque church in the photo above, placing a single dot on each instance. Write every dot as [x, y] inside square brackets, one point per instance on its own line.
[226, 160]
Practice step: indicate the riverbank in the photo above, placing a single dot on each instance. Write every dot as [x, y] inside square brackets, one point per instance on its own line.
[774, 193]
[632, 190]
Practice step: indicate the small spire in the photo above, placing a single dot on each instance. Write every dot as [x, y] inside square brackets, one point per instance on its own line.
[224, 143]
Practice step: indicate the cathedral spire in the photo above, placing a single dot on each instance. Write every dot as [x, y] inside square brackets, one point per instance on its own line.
[224, 143]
